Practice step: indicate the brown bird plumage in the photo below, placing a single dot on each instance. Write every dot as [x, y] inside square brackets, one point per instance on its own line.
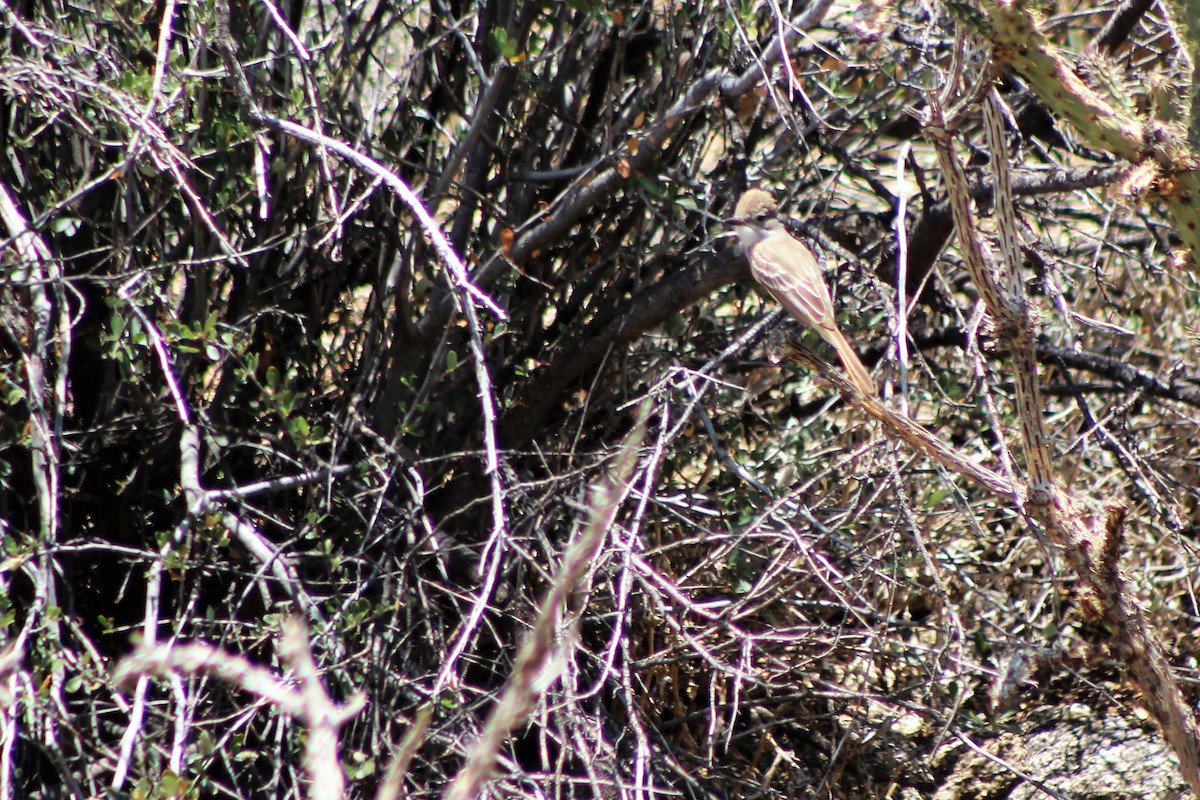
[789, 270]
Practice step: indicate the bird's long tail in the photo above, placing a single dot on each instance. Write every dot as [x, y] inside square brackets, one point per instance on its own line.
[855, 369]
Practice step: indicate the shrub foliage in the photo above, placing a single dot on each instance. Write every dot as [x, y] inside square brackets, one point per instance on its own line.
[333, 312]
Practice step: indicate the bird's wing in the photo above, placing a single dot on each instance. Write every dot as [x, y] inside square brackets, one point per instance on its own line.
[789, 270]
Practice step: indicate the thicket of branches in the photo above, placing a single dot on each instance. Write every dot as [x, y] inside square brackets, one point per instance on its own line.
[410, 323]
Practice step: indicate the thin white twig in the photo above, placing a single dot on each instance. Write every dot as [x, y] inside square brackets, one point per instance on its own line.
[308, 702]
[38, 268]
[159, 347]
[537, 662]
[440, 243]
[902, 276]
[301, 51]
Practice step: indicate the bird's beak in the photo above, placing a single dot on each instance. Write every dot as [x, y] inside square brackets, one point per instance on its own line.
[731, 228]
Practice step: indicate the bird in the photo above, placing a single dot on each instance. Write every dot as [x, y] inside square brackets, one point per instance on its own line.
[787, 268]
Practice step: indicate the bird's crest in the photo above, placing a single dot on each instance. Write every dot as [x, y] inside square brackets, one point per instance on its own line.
[754, 204]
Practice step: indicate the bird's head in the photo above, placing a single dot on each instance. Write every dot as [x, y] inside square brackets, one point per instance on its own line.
[755, 217]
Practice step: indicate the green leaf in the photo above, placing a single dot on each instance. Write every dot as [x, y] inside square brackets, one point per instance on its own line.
[68, 226]
[299, 428]
[500, 41]
[287, 403]
[505, 46]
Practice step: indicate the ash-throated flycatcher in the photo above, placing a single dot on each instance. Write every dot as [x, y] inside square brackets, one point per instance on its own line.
[789, 270]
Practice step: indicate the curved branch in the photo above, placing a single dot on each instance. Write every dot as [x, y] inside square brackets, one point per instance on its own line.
[1122, 374]
[644, 311]
[1120, 24]
[593, 188]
